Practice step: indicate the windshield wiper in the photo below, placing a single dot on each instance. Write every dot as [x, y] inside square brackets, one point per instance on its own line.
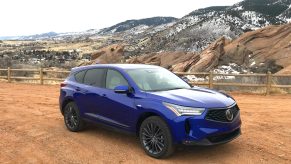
[166, 89]
[174, 88]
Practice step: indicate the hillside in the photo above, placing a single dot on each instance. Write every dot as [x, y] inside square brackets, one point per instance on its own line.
[130, 24]
[266, 49]
[171, 42]
[126, 26]
[195, 31]
[192, 33]
[198, 29]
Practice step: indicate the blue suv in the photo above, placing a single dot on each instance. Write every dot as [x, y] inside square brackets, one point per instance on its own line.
[161, 108]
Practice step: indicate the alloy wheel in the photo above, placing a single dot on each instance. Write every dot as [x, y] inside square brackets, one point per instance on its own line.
[153, 138]
[71, 118]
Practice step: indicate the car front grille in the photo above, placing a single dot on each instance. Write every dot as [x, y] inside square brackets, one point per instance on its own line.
[220, 114]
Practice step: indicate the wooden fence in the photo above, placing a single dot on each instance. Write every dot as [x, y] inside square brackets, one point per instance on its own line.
[40, 72]
[210, 83]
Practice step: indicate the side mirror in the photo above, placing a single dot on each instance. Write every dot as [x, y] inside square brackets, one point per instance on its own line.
[186, 80]
[122, 89]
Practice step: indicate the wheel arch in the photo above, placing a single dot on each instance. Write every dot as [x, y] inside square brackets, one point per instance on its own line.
[143, 117]
[65, 102]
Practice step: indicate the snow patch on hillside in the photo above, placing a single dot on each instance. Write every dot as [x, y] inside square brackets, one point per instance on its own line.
[161, 27]
[138, 29]
[255, 18]
[113, 31]
[239, 8]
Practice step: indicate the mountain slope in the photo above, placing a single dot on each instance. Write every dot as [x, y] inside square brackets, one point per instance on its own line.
[129, 27]
[129, 24]
[266, 49]
[191, 33]
[197, 30]
[271, 8]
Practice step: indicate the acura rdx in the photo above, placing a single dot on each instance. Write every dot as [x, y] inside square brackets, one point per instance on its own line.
[162, 109]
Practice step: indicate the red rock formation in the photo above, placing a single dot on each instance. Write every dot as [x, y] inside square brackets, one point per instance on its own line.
[270, 43]
[110, 54]
[186, 61]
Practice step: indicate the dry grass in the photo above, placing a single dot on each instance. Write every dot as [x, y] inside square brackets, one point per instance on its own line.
[84, 46]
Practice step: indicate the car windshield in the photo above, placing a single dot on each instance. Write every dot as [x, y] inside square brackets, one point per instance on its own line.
[155, 79]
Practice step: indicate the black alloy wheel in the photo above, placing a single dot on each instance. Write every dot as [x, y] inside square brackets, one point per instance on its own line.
[155, 137]
[72, 117]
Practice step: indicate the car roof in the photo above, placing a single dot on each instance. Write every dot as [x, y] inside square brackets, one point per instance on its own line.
[116, 66]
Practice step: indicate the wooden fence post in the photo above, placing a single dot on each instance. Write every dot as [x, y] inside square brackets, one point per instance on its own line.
[210, 79]
[269, 83]
[9, 75]
[41, 75]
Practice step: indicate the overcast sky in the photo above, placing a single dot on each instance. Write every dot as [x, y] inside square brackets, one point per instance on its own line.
[26, 17]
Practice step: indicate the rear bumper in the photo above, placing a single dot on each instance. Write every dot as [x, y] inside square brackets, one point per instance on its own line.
[61, 100]
[196, 130]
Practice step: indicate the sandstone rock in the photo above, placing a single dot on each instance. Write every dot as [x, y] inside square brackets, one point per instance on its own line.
[270, 43]
[259, 47]
[110, 54]
[164, 59]
[209, 57]
[185, 61]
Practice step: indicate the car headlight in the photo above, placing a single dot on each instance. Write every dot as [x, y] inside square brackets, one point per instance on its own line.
[183, 110]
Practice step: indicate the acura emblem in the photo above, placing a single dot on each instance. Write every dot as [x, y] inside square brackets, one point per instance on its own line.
[229, 114]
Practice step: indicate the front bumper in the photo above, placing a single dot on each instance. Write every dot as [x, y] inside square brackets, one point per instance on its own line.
[196, 130]
[215, 139]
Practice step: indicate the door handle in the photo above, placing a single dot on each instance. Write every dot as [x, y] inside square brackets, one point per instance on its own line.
[78, 89]
[104, 95]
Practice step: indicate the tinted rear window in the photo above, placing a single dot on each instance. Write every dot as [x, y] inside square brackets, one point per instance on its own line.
[80, 76]
[94, 77]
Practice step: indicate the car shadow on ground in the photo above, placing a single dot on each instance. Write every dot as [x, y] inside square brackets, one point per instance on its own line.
[131, 141]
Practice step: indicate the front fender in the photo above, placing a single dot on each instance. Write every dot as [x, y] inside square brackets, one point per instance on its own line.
[157, 107]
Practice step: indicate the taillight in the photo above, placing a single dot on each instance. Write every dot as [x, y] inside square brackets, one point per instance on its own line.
[63, 84]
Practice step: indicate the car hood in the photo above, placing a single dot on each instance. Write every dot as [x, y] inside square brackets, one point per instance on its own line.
[195, 97]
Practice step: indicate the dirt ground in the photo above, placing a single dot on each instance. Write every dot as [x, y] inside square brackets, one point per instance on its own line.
[32, 131]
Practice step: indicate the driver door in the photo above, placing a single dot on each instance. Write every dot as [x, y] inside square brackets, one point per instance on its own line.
[118, 109]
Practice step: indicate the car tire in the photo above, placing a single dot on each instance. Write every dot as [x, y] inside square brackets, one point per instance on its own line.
[72, 118]
[155, 137]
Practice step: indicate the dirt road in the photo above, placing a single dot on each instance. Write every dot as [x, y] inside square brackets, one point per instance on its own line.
[32, 131]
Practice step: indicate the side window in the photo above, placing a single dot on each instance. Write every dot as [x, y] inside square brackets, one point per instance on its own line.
[79, 76]
[94, 77]
[114, 78]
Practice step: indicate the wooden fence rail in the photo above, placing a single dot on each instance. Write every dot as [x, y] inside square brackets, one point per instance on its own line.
[210, 83]
[41, 72]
